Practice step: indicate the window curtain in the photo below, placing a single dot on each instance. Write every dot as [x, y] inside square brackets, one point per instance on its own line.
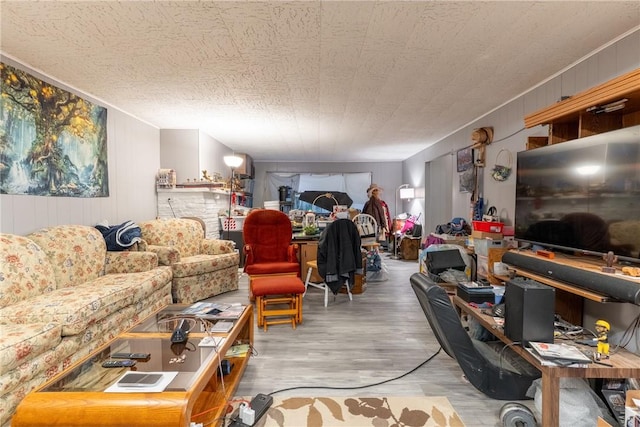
[354, 184]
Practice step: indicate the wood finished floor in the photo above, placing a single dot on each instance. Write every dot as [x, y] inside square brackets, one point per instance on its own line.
[380, 335]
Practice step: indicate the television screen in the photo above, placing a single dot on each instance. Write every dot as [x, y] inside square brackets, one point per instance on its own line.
[582, 195]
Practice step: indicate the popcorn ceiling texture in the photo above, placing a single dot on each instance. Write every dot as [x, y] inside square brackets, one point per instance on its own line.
[321, 80]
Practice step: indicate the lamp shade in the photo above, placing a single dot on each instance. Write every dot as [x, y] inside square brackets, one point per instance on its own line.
[407, 193]
[233, 161]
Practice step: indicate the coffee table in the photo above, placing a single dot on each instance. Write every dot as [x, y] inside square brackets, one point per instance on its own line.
[198, 393]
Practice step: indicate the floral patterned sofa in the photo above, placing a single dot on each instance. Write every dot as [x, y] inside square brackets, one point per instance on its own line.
[201, 267]
[62, 294]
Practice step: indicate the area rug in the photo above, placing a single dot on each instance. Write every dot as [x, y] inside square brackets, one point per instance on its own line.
[424, 411]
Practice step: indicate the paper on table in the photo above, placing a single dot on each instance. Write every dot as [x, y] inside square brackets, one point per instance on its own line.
[211, 342]
[559, 351]
[167, 377]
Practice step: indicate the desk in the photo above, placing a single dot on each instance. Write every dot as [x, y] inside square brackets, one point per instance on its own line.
[625, 365]
[308, 252]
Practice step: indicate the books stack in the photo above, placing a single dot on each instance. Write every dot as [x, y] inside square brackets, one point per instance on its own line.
[213, 311]
[222, 326]
[558, 354]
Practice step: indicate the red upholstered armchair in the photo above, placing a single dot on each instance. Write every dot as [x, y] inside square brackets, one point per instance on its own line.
[267, 245]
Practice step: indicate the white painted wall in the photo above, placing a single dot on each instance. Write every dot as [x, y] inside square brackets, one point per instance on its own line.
[190, 151]
[508, 123]
[179, 150]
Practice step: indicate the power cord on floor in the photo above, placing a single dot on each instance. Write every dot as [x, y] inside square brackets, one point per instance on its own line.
[362, 386]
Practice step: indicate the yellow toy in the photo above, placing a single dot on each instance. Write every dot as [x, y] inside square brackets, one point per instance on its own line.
[602, 328]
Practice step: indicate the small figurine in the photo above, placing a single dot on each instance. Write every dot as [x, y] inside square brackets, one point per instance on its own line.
[206, 176]
[610, 259]
[602, 328]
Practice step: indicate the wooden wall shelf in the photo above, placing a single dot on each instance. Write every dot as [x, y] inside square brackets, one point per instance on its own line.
[569, 119]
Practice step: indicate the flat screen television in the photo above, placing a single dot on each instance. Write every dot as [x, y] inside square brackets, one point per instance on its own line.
[582, 195]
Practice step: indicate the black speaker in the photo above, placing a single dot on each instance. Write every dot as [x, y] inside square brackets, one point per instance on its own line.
[529, 311]
[439, 261]
[607, 284]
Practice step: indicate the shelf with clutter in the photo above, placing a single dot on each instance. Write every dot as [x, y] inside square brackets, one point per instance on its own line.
[407, 236]
[609, 106]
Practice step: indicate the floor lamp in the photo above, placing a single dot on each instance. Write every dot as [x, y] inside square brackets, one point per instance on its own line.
[232, 162]
[403, 192]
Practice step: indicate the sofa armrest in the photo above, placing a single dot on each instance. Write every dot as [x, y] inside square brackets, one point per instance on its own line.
[167, 255]
[217, 246]
[129, 262]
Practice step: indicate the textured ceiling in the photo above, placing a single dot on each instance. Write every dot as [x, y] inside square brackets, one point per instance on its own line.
[309, 80]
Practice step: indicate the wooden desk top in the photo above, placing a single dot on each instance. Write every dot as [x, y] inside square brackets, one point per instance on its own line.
[625, 364]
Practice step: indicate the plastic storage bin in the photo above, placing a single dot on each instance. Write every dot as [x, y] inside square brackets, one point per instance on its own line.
[489, 227]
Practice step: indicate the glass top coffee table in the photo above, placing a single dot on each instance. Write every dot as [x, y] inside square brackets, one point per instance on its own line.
[196, 379]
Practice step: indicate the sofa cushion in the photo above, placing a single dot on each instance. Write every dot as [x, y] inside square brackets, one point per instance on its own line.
[19, 343]
[77, 253]
[77, 307]
[145, 283]
[200, 264]
[43, 366]
[272, 268]
[186, 290]
[25, 270]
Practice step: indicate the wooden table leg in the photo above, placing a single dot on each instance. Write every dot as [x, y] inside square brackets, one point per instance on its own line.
[550, 398]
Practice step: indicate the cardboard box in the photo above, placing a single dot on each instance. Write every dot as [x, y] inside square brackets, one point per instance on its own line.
[482, 246]
[602, 423]
[631, 411]
[613, 391]
[409, 248]
[484, 234]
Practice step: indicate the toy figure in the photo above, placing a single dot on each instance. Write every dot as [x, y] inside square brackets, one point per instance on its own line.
[602, 328]
[206, 176]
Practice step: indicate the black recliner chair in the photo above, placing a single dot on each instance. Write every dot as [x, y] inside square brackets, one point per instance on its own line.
[498, 372]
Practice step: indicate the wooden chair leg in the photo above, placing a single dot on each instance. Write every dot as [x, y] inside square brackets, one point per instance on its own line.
[260, 314]
[251, 297]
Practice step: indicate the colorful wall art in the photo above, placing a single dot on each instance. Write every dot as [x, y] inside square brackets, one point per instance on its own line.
[52, 142]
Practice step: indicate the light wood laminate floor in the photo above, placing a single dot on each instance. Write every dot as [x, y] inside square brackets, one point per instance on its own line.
[380, 335]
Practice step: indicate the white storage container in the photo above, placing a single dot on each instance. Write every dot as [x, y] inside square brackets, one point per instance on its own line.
[482, 246]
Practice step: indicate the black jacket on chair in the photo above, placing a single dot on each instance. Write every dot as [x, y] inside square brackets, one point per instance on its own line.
[339, 254]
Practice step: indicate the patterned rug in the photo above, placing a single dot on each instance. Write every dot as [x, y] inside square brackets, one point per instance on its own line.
[360, 412]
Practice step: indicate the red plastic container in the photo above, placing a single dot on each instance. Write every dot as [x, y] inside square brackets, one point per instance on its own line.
[489, 227]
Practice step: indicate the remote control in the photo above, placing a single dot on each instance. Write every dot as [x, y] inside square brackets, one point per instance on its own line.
[125, 363]
[135, 356]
